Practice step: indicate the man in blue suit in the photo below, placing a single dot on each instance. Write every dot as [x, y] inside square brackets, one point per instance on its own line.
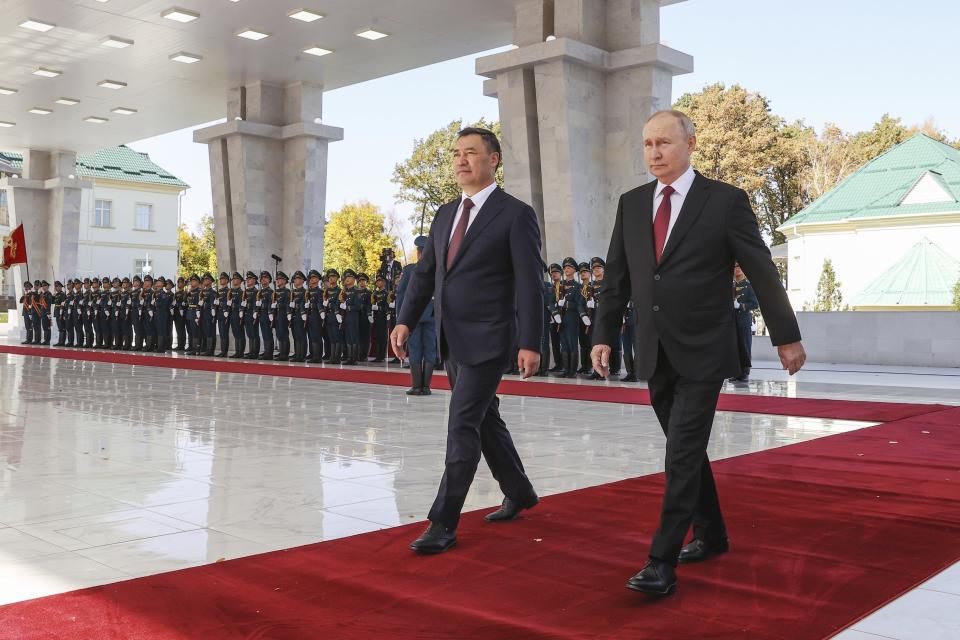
[481, 265]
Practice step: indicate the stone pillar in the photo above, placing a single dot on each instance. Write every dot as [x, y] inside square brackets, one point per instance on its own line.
[46, 200]
[574, 95]
[268, 166]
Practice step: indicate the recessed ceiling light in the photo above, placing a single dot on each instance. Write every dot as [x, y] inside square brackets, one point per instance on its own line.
[67, 101]
[7, 91]
[186, 58]
[124, 111]
[40, 111]
[180, 15]
[318, 51]
[252, 34]
[305, 15]
[47, 73]
[111, 84]
[95, 119]
[116, 43]
[37, 25]
[372, 34]
[7, 124]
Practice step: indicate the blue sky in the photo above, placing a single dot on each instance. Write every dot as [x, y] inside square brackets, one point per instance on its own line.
[841, 61]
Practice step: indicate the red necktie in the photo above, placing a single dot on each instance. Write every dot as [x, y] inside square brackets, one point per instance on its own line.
[661, 223]
[459, 232]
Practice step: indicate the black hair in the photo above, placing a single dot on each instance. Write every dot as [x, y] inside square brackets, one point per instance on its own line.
[489, 138]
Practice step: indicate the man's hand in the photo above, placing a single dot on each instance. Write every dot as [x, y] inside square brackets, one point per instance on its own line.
[792, 356]
[399, 337]
[528, 362]
[600, 355]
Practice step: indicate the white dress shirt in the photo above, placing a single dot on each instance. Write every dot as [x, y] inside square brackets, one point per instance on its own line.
[478, 199]
[681, 187]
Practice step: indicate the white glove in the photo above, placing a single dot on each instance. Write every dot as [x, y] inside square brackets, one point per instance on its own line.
[273, 306]
[343, 305]
[339, 318]
[370, 318]
[216, 302]
[109, 303]
[736, 304]
[562, 302]
[151, 313]
[229, 303]
[323, 315]
[271, 317]
[393, 305]
[557, 319]
[590, 304]
[306, 305]
[586, 321]
[226, 314]
[303, 317]
[213, 313]
[243, 305]
[376, 307]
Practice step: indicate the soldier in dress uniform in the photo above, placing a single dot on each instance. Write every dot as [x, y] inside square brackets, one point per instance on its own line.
[265, 306]
[422, 343]
[89, 312]
[334, 317]
[350, 308]
[180, 313]
[394, 309]
[126, 315]
[208, 316]
[251, 325]
[597, 267]
[146, 314]
[193, 315]
[60, 313]
[627, 338]
[315, 316]
[26, 311]
[568, 308]
[106, 306]
[161, 317]
[548, 301]
[172, 307]
[222, 314]
[298, 317]
[583, 331]
[93, 309]
[364, 296]
[44, 302]
[113, 313]
[281, 316]
[69, 304]
[379, 309]
[744, 302]
[556, 275]
[235, 314]
[136, 313]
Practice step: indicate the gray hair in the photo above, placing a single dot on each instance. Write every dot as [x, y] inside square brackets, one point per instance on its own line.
[686, 124]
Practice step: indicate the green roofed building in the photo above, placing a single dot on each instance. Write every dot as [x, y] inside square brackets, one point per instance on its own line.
[878, 223]
[129, 213]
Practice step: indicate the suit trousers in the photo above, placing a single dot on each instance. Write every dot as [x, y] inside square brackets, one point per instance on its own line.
[685, 409]
[474, 427]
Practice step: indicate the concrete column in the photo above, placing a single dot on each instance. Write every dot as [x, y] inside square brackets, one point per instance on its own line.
[268, 166]
[46, 200]
[573, 108]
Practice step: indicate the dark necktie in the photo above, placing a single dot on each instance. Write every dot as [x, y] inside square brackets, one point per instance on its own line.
[459, 232]
[661, 223]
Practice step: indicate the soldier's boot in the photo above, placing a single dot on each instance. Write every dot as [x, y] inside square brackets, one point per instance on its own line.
[363, 355]
[239, 344]
[628, 364]
[584, 362]
[211, 345]
[542, 371]
[127, 342]
[427, 379]
[283, 353]
[61, 339]
[563, 365]
[267, 350]
[336, 353]
[224, 346]
[416, 372]
[299, 349]
[304, 347]
[315, 349]
[571, 365]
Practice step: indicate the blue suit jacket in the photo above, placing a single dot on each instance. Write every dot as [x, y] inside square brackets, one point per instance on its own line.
[490, 302]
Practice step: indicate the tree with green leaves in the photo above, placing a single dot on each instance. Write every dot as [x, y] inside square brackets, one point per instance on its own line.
[956, 296]
[829, 297]
[354, 237]
[426, 179]
[198, 252]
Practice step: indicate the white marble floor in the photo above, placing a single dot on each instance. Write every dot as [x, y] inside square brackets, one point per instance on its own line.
[112, 471]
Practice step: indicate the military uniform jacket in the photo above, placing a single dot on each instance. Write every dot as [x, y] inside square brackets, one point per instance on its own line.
[591, 301]
[314, 304]
[248, 304]
[26, 304]
[281, 302]
[193, 305]
[221, 310]
[568, 301]
[265, 304]
[333, 304]
[234, 308]
[351, 305]
[43, 301]
[59, 308]
[298, 303]
[378, 303]
[744, 294]
[365, 302]
[208, 306]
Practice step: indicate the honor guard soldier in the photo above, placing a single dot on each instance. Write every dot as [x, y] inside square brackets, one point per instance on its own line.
[76, 311]
[26, 311]
[44, 302]
[234, 313]
[208, 316]
[126, 315]
[627, 339]
[249, 305]
[597, 266]
[556, 275]
[59, 313]
[314, 306]
[89, 312]
[105, 307]
[113, 309]
[136, 313]
[422, 343]
[146, 314]
[37, 321]
[266, 308]
[545, 344]
[379, 309]
[161, 315]
[364, 297]
[171, 297]
[281, 316]
[334, 317]
[349, 305]
[222, 315]
[392, 310]
[68, 313]
[744, 302]
[94, 311]
[583, 332]
[567, 293]
[192, 315]
[298, 317]
[180, 313]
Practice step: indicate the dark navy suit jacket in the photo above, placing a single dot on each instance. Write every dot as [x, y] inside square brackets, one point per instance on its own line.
[490, 302]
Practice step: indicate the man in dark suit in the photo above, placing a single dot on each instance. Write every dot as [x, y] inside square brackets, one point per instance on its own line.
[674, 244]
[482, 266]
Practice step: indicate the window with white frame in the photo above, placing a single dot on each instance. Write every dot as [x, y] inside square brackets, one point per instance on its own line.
[4, 213]
[139, 264]
[103, 213]
[143, 217]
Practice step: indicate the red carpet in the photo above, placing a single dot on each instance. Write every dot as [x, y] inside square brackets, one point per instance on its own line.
[823, 533]
[805, 407]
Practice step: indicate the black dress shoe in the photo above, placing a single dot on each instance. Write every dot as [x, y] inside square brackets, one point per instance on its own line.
[509, 510]
[436, 539]
[657, 579]
[628, 378]
[699, 550]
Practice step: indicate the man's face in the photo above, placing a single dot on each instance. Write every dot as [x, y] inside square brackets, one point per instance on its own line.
[738, 273]
[207, 282]
[223, 282]
[584, 276]
[362, 284]
[556, 276]
[332, 281]
[598, 272]
[157, 285]
[264, 281]
[251, 282]
[666, 149]
[298, 282]
[381, 283]
[348, 281]
[568, 272]
[473, 164]
[314, 281]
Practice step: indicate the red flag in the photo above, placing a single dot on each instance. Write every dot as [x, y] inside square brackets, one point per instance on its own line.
[14, 249]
